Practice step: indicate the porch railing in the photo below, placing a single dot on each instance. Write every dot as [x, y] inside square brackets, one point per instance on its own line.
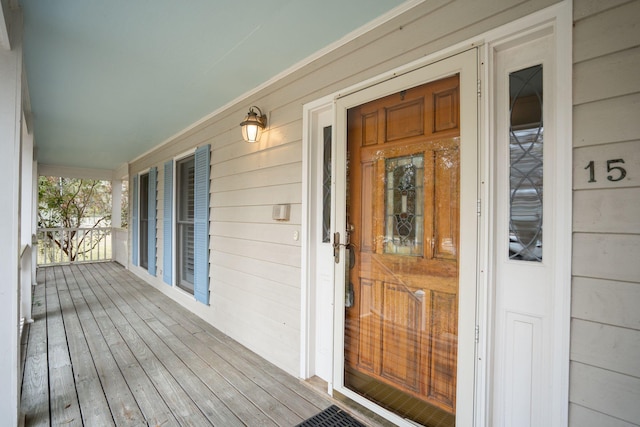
[74, 245]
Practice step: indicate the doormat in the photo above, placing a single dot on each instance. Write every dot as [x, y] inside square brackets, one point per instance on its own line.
[331, 417]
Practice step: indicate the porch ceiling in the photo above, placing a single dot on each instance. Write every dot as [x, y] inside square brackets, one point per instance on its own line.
[110, 80]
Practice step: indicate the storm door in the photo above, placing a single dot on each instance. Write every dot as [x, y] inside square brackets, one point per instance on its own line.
[401, 329]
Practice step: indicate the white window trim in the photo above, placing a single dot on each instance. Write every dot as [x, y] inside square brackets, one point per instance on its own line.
[174, 195]
[139, 267]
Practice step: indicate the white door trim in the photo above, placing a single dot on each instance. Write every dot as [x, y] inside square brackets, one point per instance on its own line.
[311, 112]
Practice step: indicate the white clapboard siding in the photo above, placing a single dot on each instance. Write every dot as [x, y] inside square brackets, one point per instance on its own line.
[255, 305]
[606, 301]
[273, 292]
[254, 214]
[605, 333]
[281, 155]
[605, 391]
[607, 256]
[606, 346]
[616, 29]
[276, 272]
[281, 234]
[281, 174]
[276, 194]
[281, 254]
[607, 210]
[586, 8]
[585, 417]
[607, 76]
[261, 332]
[608, 120]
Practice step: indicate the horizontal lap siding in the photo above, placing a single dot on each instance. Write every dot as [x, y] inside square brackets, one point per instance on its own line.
[605, 329]
[255, 262]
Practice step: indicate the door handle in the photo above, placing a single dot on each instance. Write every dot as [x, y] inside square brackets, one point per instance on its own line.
[337, 244]
[336, 247]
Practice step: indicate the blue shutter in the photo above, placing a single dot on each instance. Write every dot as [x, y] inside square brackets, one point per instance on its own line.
[134, 223]
[201, 225]
[167, 221]
[151, 266]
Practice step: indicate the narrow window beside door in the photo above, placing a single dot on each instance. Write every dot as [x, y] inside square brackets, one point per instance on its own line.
[525, 146]
[326, 184]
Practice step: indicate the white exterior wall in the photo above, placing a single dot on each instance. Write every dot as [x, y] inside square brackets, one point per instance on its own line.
[255, 261]
[605, 329]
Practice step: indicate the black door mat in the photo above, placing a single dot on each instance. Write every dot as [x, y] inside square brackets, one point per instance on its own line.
[331, 417]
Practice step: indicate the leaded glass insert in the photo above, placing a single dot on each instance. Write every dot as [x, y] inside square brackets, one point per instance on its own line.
[326, 184]
[526, 164]
[404, 205]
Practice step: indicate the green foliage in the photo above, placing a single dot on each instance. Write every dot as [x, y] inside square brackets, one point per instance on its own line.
[77, 204]
[71, 202]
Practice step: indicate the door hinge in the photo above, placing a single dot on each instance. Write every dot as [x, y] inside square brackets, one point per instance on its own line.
[479, 207]
[479, 88]
[477, 334]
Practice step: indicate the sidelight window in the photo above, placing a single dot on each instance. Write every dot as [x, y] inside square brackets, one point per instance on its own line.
[526, 133]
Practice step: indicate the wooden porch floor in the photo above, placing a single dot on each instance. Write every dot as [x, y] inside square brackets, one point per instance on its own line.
[107, 349]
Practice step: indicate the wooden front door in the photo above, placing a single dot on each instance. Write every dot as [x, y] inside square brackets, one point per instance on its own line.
[403, 212]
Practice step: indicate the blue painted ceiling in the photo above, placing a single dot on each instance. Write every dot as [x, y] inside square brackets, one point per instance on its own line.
[109, 80]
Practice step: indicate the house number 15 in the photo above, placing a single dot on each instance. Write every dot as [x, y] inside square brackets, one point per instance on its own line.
[615, 172]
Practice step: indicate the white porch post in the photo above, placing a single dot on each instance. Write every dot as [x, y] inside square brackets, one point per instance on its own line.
[34, 220]
[26, 228]
[116, 203]
[116, 219]
[10, 127]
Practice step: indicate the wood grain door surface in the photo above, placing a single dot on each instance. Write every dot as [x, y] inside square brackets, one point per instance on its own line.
[403, 209]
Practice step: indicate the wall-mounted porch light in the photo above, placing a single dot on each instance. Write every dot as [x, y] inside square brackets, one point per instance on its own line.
[253, 125]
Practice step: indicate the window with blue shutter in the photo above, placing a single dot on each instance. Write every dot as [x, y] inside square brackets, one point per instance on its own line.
[134, 222]
[151, 223]
[167, 221]
[185, 261]
[201, 225]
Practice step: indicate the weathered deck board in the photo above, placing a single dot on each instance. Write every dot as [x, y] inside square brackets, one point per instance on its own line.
[155, 410]
[181, 405]
[35, 383]
[299, 398]
[279, 400]
[93, 403]
[107, 349]
[63, 398]
[121, 403]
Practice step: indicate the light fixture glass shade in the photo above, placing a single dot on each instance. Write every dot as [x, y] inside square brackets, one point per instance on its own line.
[253, 125]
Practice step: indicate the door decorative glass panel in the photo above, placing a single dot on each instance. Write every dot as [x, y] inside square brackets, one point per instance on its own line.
[401, 331]
[526, 133]
[404, 205]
